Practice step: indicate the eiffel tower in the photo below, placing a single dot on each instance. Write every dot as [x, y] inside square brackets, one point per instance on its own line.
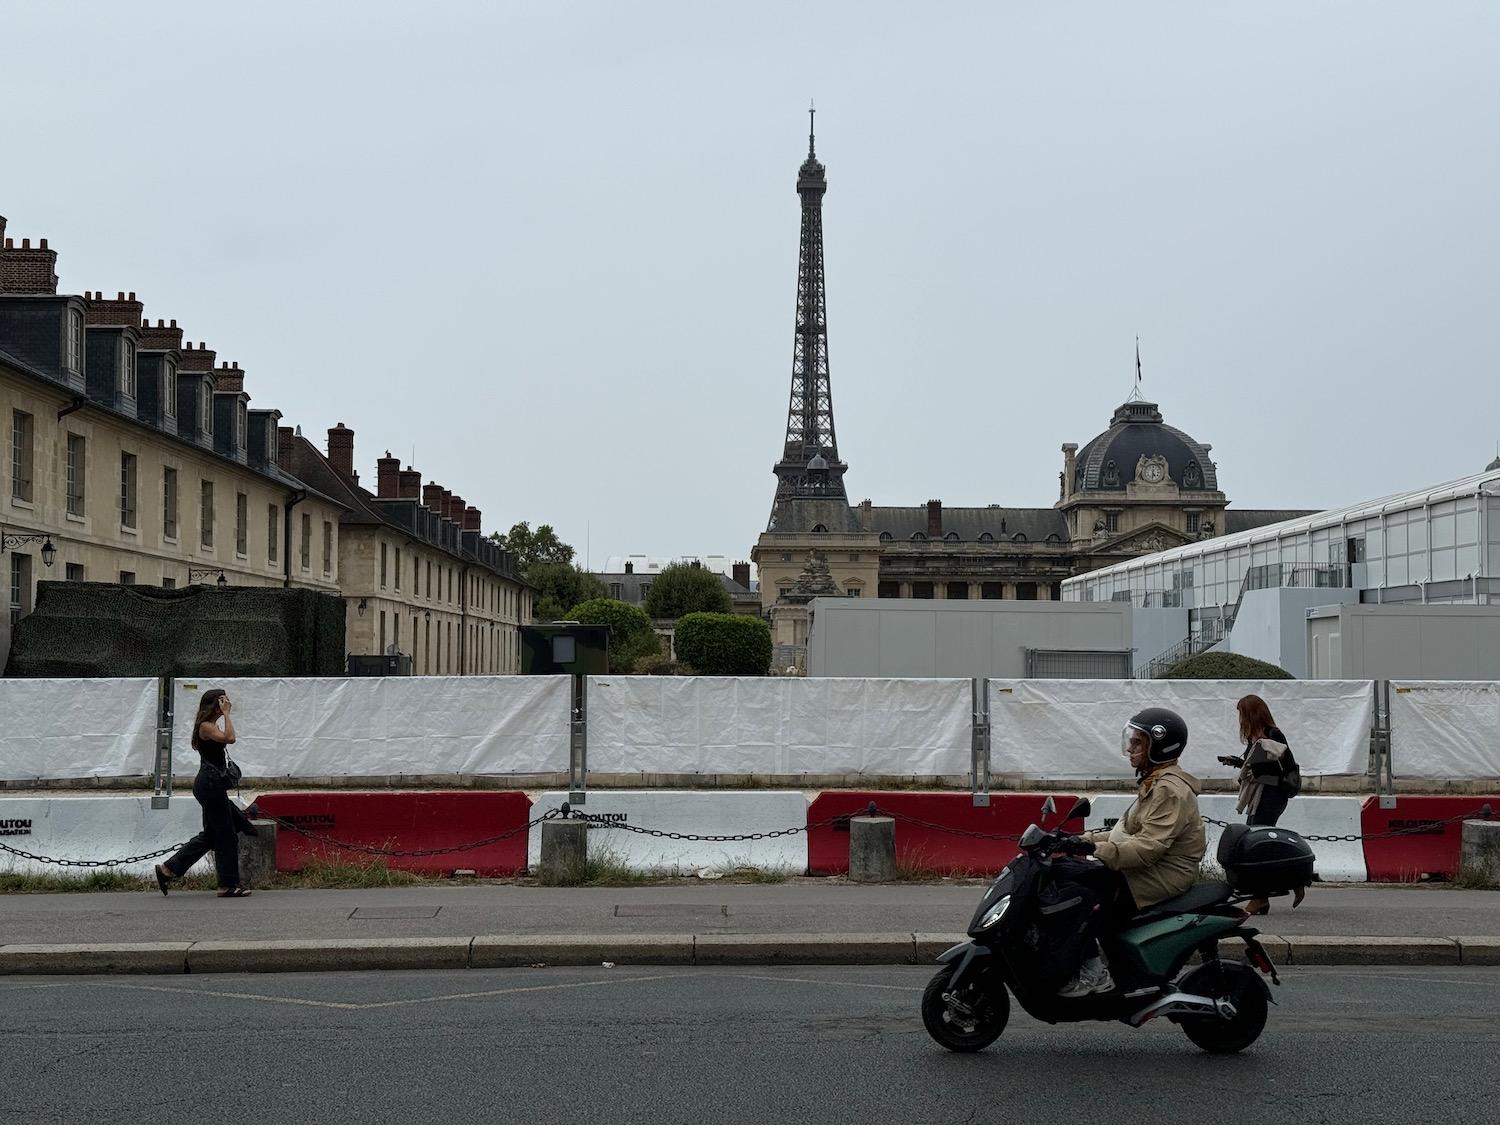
[810, 468]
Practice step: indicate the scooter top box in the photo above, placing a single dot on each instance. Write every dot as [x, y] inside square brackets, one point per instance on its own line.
[1261, 860]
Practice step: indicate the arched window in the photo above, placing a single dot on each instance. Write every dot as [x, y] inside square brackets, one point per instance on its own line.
[1054, 537]
[1019, 537]
[1192, 476]
[819, 529]
[886, 537]
[1111, 475]
[951, 537]
[986, 537]
[918, 537]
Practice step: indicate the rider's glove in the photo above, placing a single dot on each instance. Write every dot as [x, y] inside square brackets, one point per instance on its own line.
[1074, 845]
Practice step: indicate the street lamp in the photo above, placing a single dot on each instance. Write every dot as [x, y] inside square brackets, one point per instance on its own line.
[360, 608]
[10, 541]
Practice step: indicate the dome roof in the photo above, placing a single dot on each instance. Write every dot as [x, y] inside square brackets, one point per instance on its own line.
[1108, 462]
[1493, 465]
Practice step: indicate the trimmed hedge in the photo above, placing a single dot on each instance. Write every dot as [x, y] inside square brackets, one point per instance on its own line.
[1225, 666]
[631, 635]
[724, 644]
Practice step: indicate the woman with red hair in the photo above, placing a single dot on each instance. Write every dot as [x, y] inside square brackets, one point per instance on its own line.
[1265, 765]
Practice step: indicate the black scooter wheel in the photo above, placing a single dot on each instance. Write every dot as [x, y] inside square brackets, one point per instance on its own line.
[1225, 980]
[969, 1018]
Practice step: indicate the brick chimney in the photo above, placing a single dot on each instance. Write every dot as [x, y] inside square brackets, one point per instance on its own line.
[471, 519]
[198, 357]
[453, 508]
[387, 473]
[630, 568]
[432, 496]
[229, 379]
[866, 515]
[409, 484]
[740, 572]
[27, 270]
[934, 519]
[163, 338]
[341, 451]
[123, 310]
[284, 436]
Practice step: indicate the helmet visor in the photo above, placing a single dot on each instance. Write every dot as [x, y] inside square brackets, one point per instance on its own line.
[1126, 736]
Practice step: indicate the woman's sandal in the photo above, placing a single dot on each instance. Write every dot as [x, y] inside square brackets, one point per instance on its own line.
[234, 892]
[163, 877]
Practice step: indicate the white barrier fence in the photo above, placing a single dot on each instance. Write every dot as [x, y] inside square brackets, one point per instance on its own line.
[92, 829]
[498, 725]
[52, 729]
[1338, 861]
[389, 726]
[1445, 729]
[694, 812]
[733, 725]
[1071, 728]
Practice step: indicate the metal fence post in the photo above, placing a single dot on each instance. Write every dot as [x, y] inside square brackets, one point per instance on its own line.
[161, 790]
[1385, 779]
[578, 743]
[979, 749]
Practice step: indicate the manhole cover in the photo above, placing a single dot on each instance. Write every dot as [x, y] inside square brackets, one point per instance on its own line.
[671, 910]
[378, 913]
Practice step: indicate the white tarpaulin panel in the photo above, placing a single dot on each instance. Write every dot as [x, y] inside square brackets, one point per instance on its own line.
[1445, 728]
[53, 729]
[1071, 728]
[773, 725]
[381, 725]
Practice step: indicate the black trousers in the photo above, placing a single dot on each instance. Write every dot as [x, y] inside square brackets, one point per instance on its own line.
[1269, 808]
[1118, 907]
[220, 818]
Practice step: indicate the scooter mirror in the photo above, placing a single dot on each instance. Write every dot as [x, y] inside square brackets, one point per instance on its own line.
[1080, 809]
[1049, 806]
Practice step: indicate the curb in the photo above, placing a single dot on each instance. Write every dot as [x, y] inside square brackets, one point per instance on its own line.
[506, 951]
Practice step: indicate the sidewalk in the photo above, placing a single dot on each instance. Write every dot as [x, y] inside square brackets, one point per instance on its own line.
[805, 921]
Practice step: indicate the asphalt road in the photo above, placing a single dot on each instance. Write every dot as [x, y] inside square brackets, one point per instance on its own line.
[713, 1046]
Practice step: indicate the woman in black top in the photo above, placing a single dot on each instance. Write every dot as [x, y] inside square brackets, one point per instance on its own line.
[211, 791]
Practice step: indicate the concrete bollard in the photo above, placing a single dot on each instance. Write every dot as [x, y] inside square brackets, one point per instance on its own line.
[1479, 851]
[258, 855]
[872, 849]
[565, 847]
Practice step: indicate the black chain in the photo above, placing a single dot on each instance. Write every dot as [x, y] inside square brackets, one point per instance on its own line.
[90, 862]
[1423, 829]
[574, 814]
[372, 849]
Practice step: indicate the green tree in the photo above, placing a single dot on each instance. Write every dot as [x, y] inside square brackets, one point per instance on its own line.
[547, 563]
[630, 633]
[683, 588]
[725, 644]
[529, 547]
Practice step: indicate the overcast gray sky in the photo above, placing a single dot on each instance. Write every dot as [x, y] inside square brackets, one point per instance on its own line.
[552, 247]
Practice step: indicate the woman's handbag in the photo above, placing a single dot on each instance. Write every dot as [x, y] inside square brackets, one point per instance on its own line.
[231, 771]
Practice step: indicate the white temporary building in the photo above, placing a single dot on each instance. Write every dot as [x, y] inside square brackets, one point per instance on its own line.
[1432, 546]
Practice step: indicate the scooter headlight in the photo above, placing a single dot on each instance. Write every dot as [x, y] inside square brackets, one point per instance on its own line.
[995, 913]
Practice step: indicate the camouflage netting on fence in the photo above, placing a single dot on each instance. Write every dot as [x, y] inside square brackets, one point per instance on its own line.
[101, 629]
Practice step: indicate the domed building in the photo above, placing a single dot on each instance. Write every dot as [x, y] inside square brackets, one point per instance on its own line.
[1141, 485]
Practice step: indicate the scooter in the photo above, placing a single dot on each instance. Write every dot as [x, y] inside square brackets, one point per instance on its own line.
[1220, 1005]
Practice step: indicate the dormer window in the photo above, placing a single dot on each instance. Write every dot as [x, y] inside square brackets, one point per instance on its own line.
[1192, 476]
[206, 398]
[1019, 537]
[918, 537]
[127, 368]
[986, 537]
[75, 341]
[819, 529]
[1111, 475]
[886, 537]
[169, 389]
[272, 453]
[241, 422]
